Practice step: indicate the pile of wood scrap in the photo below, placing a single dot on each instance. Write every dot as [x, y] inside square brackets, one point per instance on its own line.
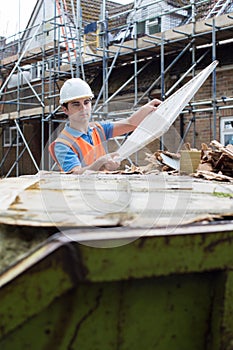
[216, 162]
[157, 162]
[132, 169]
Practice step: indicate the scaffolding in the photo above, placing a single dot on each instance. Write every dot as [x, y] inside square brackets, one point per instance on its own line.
[64, 44]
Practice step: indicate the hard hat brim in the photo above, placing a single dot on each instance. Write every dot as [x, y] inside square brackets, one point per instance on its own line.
[75, 98]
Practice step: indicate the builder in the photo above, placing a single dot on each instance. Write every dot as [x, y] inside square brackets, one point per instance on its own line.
[82, 145]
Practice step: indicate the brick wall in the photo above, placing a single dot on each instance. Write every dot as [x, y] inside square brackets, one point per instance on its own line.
[203, 126]
[25, 165]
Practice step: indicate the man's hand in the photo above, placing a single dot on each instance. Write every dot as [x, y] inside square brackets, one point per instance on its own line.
[149, 107]
[124, 126]
[109, 161]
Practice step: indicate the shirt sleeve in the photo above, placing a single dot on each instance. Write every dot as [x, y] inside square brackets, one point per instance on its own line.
[66, 157]
[108, 129]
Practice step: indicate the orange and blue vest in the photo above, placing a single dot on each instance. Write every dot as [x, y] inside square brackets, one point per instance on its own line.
[86, 152]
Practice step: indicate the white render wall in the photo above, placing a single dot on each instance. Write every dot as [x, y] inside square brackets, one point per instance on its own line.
[44, 11]
[156, 9]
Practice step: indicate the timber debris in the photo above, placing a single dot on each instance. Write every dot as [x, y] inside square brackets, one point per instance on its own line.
[214, 162]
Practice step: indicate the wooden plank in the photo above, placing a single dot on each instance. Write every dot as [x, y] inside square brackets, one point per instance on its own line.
[181, 32]
[25, 113]
[32, 55]
[54, 200]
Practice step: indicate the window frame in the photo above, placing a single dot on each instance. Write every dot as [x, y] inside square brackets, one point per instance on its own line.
[8, 139]
[225, 131]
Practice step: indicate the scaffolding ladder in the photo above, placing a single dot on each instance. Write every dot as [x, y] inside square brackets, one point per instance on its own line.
[218, 8]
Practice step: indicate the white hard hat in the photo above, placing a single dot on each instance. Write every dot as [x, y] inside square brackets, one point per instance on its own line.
[73, 89]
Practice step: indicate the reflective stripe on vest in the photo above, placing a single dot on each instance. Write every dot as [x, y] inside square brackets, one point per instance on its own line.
[86, 152]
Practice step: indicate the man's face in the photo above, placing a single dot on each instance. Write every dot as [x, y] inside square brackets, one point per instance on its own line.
[79, 110]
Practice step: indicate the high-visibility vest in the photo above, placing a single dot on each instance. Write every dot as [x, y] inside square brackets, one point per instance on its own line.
[86, 152]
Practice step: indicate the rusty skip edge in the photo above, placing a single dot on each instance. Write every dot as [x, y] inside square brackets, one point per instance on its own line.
[88, 236]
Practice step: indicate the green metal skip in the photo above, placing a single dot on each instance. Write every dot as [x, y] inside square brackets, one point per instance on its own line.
[172, 291]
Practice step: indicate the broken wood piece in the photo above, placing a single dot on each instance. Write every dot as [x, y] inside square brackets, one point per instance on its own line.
[223, 149]
[212, 176]
[205, 166]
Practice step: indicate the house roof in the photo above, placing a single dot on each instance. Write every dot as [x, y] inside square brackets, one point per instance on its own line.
[91, 10]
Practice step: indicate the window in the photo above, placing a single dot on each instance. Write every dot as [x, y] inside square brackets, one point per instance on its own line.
[154, 25]
[141, 27]
[10, 137]
[226, 130]
[36, 70]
